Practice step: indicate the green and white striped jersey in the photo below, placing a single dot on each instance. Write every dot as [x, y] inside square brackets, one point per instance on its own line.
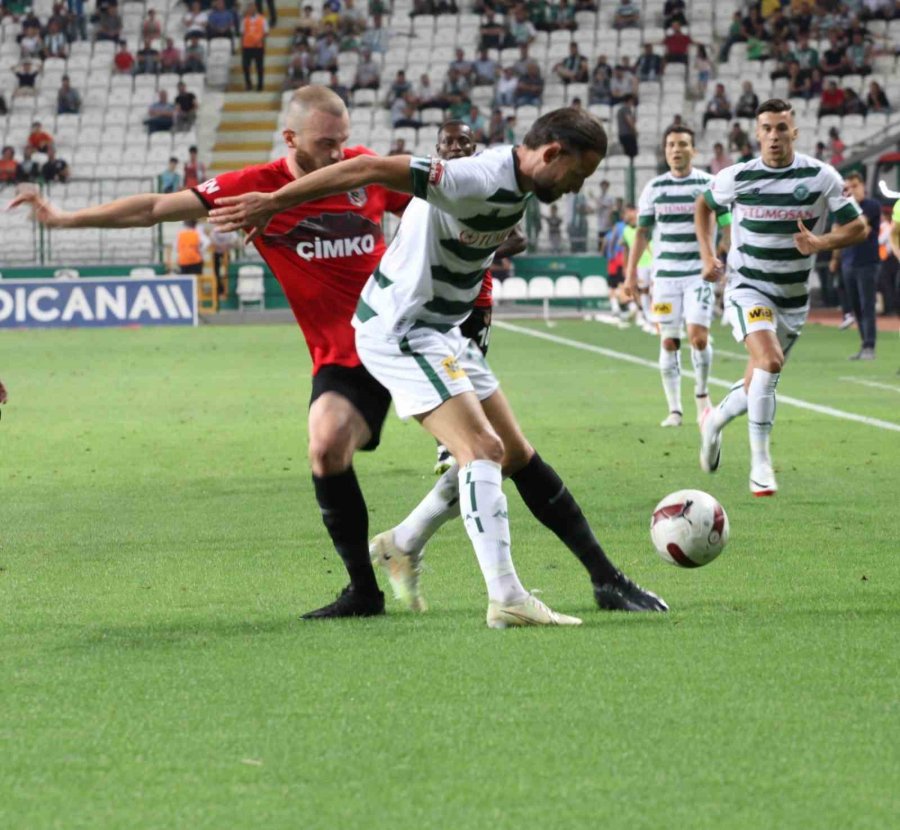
[667, 206]
[432, 271]
[767, 203]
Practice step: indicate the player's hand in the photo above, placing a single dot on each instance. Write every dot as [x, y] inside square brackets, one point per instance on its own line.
[630, 286]
[249, 210]
[41, 209]
[806, 241]
[713, 269]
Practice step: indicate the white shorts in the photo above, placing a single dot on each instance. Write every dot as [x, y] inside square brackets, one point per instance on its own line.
[644, 274]
[424, 368]
[747, 311]
[678, 300]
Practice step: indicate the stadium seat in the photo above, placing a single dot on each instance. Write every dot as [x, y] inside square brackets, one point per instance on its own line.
[541, 288]
[594, 288]
[567, 288]
[515, 288]
[251, 286]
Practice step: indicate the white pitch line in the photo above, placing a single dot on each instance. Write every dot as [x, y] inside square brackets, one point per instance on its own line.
[650, 364]
[873, 383]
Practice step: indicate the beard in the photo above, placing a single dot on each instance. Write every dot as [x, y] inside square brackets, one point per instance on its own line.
[545, 193]
[308, 163]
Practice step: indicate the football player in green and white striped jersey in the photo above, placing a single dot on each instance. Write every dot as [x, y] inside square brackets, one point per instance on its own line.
[680, 294]
[408, 337]
[780, 204]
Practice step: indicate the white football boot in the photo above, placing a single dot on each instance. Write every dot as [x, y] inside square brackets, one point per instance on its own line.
[530, 611]
[402, 569]
[710, 443]
[762, 479]
[673, 419]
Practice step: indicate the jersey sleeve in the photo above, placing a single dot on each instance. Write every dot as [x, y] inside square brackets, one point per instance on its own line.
[844, 208]
[396, 202]
[720, 194]
[646, 209]
[233, 183]
[445, 183]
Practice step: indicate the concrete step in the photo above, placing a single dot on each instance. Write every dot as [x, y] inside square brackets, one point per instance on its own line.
[238, 120]
[233, 159]
[242, 147]
[238, 136]
[240, 101]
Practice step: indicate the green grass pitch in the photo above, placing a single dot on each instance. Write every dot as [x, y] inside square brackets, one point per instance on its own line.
[160, 538]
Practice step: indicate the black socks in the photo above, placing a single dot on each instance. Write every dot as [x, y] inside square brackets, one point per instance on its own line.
[546, 496]
[347, 520]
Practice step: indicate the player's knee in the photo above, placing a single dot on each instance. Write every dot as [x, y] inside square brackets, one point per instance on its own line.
[699, 342]
[516, 455]
[487, 445]
[772, 362]
[330, 452]
[671, 344]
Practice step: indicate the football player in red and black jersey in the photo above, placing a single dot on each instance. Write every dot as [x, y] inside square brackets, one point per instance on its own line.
[455, 140]
[322, 253]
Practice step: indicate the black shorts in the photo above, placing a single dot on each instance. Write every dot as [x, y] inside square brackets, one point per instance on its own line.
[477, 327]
[615, 280]
[355, 384]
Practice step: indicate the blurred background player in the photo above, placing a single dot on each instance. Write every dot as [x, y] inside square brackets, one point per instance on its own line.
[644, 274]
[778, 201]
[615, 251]
[348, 406]
[456, 140]
[680, 293]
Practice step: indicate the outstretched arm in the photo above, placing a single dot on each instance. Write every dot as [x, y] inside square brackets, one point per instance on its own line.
[139, 211]
[705, 225]
[840, 236]
[257, 209]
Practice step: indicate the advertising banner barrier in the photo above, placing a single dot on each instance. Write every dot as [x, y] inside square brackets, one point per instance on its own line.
[98, 302]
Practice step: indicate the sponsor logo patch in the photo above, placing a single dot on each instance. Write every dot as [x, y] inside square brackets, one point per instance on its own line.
[357, 197]
[453, 369]
[436, 172]
[662, 308]
[759, 314]
[801, 191]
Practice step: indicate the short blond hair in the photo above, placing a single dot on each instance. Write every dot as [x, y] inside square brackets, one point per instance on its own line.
[313, 97]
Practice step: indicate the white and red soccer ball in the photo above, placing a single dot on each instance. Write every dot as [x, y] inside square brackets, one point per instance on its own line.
[689, 528]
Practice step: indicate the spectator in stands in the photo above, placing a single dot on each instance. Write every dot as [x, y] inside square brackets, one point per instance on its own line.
[254, 29]
[67, 98]
[746, 153]
[485, 69]
[170, 180]
[353, 20]
[853, 104]
[368, 73]
[836, 147]
[736, 34]
[521, 29]
[859, 55]
[627, 15]
[530, 88]
[520, 66]
[425, 94]
[455, 94]
[782, 56]
[720, 159]
[31, 44]
[506, 88]
[26, 75]
[330, 19]
[737, 136]
[55, 169]
[805, 55]
[147, 59]
[151, 28]
[194, 56]
[403, 112]
[493, 34]
[677, 44]
[626, 123]
[604, 207]
[574, 67]
[876, 99]
[195, 20]
[307, 24]
[339, 89]
[821, 152]
[29, 168]
[55, 45]
[399, 87]
[185, 108]
[622, 85]
[39, 138]
[533, 221]
[170, 57]
[377, 37]
[703, 70]
[327, 53]
[194, 169]
[109, 24]
[9, 167]
[834, 60]
[222, 22]
[649, 64]
[554, 226]
[465, 67]
[748, 102]
[497, 129]
[562, 16]
[398, 147]
[673, 12]
[160, 114]
[190, 248]
[477, 123]
[832, 102]
[123, 62]
[577, 210]
[601, 75]
[718, 107]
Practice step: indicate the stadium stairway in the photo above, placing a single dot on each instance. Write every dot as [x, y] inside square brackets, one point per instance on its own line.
[244, 134]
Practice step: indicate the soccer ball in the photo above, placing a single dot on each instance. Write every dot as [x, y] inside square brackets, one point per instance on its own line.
[689, 528]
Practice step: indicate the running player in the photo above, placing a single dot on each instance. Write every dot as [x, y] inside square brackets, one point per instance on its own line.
[456, 140]
[781, 202]
[644, 272]
[322, 253]
[408, 336]
[680, 293]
